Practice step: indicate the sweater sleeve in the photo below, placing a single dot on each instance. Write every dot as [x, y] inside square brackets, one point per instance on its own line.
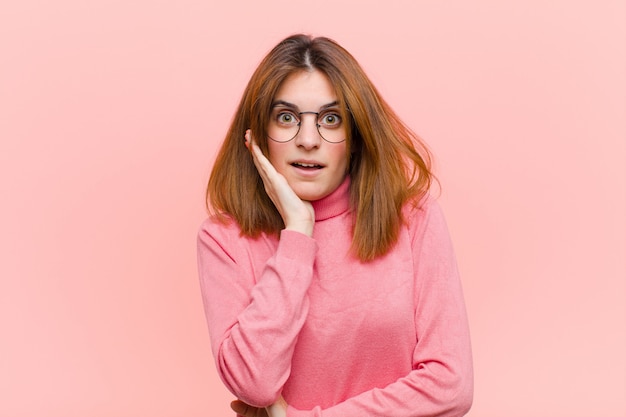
[254, 316]
[441, 380]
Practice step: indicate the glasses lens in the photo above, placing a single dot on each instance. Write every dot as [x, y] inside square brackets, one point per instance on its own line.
[330, 126]
[284, 124]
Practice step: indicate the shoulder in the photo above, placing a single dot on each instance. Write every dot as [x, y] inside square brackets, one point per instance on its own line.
[222, 233]
[219, 223]
[417, 210]
[219, 228]
[424, 214]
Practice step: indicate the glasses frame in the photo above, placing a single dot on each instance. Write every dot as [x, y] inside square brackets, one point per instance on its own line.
[317, 124]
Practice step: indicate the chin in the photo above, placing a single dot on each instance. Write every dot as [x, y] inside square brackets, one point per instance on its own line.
[311, 195]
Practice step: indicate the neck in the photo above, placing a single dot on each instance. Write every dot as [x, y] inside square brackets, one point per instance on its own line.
[335, 203]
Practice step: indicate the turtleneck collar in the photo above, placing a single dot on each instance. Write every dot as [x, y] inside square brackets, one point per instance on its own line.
[333, 204]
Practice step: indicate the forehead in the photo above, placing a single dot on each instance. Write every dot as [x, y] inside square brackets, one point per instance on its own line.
[307, 90]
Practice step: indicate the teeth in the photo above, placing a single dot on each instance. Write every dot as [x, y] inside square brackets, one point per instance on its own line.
[306, 165]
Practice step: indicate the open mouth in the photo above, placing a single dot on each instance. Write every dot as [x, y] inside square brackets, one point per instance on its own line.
[306, 166]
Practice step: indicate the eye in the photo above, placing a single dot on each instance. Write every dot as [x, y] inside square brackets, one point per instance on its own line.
[330, 120]
[286, 118]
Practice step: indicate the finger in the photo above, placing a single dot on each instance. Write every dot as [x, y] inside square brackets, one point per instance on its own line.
[244, 409]
[247, 137]
[264, 167]
[239, 407]
[260, 161]
[259, 158]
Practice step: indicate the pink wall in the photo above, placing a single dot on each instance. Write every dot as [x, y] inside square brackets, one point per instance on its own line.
[111, 111]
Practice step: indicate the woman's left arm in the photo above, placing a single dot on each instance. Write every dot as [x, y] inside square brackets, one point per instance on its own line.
[441, 380]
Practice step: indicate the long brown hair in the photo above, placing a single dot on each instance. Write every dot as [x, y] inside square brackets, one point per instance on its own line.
[389, 164]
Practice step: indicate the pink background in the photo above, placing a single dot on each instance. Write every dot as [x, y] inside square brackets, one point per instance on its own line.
[111, 113]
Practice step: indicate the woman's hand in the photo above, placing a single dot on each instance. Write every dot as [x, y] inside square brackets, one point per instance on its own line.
[297, 214]
[278, 409]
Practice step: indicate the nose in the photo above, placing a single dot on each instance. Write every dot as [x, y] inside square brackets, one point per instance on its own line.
[308, 136]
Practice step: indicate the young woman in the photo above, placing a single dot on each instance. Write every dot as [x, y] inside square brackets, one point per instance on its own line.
[328, 277]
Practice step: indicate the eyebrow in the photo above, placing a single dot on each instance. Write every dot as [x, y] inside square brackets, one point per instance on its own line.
[293, 106]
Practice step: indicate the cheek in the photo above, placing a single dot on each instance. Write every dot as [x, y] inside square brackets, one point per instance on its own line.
[341, 157]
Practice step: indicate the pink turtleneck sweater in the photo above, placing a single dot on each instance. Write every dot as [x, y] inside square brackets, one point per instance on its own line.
[337, 337]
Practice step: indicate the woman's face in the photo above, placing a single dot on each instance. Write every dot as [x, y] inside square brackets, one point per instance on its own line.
[313, 167]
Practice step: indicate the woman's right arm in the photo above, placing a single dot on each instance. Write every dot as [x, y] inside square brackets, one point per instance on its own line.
[254, 296]
[255, 307]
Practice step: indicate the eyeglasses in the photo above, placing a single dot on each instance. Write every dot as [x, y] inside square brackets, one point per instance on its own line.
[285, 124]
